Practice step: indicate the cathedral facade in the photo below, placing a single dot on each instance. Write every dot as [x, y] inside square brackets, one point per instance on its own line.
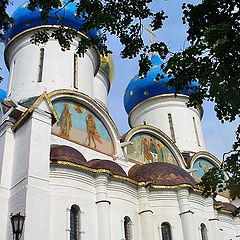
[64, 164]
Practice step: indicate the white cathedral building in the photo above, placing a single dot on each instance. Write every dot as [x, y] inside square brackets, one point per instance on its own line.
[65, 166]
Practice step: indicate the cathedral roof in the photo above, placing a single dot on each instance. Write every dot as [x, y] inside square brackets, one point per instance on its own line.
[161, 173]
[2, 94]
[108, 165]
[66, 153]
[225, 206]
[142, 88]
[25, 19]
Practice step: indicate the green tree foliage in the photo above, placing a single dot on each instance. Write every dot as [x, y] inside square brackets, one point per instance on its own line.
[212, 58]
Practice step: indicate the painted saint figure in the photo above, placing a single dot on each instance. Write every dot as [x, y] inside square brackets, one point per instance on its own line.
[92, 133]
[146, 151]
[153, 150]
[65, 121]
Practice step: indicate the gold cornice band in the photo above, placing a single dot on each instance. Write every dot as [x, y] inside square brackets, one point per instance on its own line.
[122, 178]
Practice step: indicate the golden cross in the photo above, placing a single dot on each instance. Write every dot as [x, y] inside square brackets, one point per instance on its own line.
[152, 35]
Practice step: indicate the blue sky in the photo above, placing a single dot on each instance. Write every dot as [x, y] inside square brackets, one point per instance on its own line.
[218, 137]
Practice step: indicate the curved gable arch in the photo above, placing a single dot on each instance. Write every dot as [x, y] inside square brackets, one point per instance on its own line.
[95, 109]
[201, 162]
[206, 155]
[159, 135]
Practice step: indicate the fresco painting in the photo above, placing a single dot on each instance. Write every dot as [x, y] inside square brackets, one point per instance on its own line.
[202, 166]
[147, 148]
[80, 125]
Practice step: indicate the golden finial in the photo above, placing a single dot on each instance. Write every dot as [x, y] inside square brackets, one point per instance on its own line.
[131, 93]
[145, 93]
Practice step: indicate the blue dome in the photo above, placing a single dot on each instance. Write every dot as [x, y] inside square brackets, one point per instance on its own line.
[25, 19]
[140, 89]
[3, 94]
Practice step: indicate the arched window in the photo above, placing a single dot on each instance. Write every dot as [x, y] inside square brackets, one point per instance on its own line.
[127, 228]
[74, 222]
[203, 231]
[166, 231]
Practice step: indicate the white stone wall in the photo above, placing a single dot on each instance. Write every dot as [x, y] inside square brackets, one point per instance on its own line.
[101, 88]
[23, 58]
[155, 112]
[71, 186]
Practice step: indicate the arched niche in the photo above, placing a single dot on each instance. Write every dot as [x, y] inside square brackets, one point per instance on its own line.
[149, 144]
[201, 162]
[84, 122]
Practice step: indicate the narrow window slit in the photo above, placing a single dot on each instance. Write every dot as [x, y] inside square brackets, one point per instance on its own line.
[75, 71]
[196, 132]
[40, 73]
[171, 128]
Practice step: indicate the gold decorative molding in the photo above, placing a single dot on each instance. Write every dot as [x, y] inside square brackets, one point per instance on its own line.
[122, 178]
[29, 111]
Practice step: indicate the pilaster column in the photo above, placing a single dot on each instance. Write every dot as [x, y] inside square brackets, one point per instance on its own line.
[6, 161]
[30, 176]
[146, 215]
[213, 221]
[237, 227]
[68, 228]
[186, 214]
[103, 208]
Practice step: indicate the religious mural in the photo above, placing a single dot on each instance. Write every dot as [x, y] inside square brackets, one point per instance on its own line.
[147, 148]
[80, 125]
[201, 166]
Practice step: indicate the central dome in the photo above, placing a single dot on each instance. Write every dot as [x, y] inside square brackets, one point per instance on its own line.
[142, 88]
[25, 19]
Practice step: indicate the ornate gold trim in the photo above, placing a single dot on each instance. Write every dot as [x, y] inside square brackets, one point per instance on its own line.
[122, 178]
[45, 96]
[89, 99]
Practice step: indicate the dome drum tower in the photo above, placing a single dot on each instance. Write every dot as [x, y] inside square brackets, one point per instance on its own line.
[150, 101]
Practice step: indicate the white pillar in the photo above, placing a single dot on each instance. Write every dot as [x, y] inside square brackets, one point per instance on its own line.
[237, 227]
[186, 215]
[213, 226]
[146, 215]
[103, 208]
[30, 175]
[6, 159]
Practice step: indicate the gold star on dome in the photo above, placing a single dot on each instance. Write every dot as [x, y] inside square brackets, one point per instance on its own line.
[131, 93]
[155, 80]
[141, 77]
[145, 93]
